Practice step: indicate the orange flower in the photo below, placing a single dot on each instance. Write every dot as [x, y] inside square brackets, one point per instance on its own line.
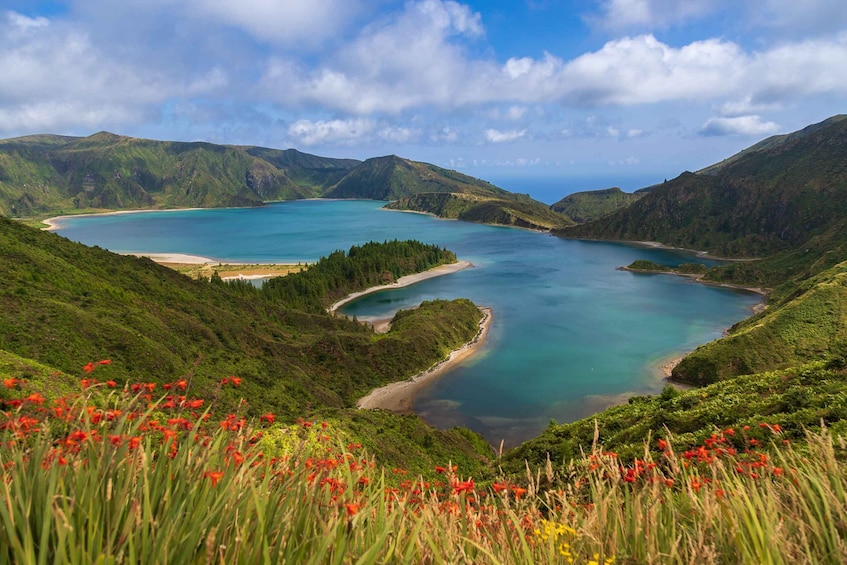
[269, 418]
[352, 508]
[440, 470]
[36, 398]
[105, 362]
[463, 486]
[111, 384]
[10, 383]
[214, 476]
[235, 381]
[182, 384]
[88, 367]
[662, 444]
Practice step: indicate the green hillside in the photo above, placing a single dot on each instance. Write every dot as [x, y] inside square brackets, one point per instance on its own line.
[797, 399]
[64, 304]
[42, 175]
[593, 204]
[517, 210]
[807, 324]
[758, 203]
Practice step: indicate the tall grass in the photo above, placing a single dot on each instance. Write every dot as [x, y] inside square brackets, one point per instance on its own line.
[115, 477]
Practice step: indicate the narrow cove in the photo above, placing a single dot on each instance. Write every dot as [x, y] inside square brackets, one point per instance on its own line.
[571, 334]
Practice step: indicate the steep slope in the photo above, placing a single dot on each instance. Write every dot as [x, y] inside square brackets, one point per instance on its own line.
[807, 324]
[392, 178]
[45, 174]
[761, 202]
[583, 207]
[63, 303]
[106, 171]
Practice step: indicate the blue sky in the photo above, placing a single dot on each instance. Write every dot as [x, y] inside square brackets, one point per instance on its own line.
[601, 92]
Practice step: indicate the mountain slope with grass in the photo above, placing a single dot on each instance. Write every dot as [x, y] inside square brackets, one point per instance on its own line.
[64, 304]
[768, 199]
[516, 210]
[590, 205]
[48, 174]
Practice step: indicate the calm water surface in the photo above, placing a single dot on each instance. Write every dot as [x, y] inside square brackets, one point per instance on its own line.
[571, 334]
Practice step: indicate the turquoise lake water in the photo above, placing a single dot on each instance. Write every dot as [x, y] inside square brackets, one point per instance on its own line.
[571, 334]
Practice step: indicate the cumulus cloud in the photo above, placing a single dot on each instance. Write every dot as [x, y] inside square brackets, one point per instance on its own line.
[739, 125]
[413, 63]
[497, 136]
[307, 132]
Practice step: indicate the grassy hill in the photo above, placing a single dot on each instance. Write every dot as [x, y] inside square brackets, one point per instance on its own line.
[593, 204]
[64, 304]
[48, 174]
[765, 200]
[516, 210]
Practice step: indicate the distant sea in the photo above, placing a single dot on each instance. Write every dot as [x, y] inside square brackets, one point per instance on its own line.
[571, 334]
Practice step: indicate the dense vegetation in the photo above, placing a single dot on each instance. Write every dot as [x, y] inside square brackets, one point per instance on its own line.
[63, 302]
[517, 210]
[771, 198]
[363, 266]
[583, 207]
[796, 399]
[107, 475]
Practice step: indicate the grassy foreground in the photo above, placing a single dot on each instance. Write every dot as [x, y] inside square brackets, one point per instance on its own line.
[112, 475]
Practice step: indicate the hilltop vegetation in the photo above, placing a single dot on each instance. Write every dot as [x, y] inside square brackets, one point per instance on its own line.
[583, 207]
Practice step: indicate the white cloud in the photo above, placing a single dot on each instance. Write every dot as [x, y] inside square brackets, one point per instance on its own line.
[651, 14]
[284, 22]
[54, 77]
[516, 112]
[739, 125]
[808, 16]
[308, 132]
[399, 134]
[497, 136]
[408, 61]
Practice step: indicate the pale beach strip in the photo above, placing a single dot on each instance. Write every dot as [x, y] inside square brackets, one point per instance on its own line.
[404, 281]
[175, 258]
[398, 396]
[55, 222]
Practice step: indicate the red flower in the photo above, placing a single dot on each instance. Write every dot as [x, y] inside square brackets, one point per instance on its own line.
[441, 470]
[10, 383]
[105, 362]
[215, 476]
[463, 486]
[36, 398]
[88, 367]
[352, 508]
[111, 384]
[269, 418]
[182, 384]
[235, 381]
[662, 444]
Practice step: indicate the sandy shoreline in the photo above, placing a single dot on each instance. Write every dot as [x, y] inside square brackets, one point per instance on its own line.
[398, 396]
[404, 281]
[55, 222]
